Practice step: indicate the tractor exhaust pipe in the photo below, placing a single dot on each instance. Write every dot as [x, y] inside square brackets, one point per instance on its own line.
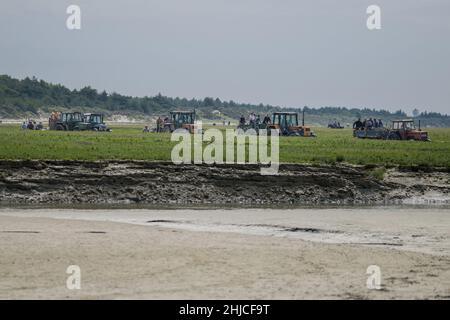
[303, 117]
[419, 126]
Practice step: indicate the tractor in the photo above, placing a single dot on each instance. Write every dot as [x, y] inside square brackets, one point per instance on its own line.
[95, 122]
[67, 121]
[399, 130]
[180, 120]
[406, 130]
[287, 123]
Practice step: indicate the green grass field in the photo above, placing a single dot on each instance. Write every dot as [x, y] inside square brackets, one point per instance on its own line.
[128, 142]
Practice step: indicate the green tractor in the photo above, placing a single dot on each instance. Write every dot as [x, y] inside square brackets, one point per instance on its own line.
[67, 121]
[95, 122]
[76, 121]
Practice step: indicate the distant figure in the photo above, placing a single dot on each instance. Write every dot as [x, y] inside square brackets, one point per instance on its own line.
[24, 126]
[266, 119]
[30, 125]
[380, 123]
[159, 123]
[258, 120]
[369, 123]
[242, 120]
[229, 123]
[252, 119]
[146, 129]
[358, 124]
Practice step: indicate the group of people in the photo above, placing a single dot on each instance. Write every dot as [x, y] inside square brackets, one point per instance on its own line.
[32, 125]
[368, 124]
[254, 120]
[335, 125]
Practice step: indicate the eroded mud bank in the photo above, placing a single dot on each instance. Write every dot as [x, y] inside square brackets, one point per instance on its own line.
[116, 182]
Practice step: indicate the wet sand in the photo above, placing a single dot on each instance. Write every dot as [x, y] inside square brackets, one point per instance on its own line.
[225, 254]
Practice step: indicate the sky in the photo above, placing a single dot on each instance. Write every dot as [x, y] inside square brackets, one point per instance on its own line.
[289, 53]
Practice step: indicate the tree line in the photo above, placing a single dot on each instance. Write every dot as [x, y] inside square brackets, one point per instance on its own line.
[31, 97]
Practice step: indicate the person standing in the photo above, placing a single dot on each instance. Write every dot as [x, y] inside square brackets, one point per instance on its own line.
[242, 120]
[158, 124]
[358, 124]
[252, 119]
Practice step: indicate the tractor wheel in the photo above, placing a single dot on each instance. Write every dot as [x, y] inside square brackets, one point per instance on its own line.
[60, 127]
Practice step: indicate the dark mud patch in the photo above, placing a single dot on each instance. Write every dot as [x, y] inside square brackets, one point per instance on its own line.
[380, 244]
[310, 230]
[292, 229]
[19, 231]
[163, 183]
[95, 232]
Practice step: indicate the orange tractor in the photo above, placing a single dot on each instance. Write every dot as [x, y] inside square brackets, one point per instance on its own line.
[287, 123]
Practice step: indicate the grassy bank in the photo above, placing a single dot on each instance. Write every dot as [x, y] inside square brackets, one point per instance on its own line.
[128, 142]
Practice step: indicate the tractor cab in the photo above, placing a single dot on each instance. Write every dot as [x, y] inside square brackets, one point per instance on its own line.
[403, 125]
[287, 123]
[72, 117]
[95, 122]
[93, 118]
[180, 120]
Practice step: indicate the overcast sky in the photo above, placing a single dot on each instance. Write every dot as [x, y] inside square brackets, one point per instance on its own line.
[281, 52]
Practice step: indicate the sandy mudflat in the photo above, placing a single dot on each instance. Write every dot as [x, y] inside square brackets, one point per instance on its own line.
[127, 259]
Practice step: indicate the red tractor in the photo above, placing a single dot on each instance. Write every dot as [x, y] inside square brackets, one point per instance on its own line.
[406, 130]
